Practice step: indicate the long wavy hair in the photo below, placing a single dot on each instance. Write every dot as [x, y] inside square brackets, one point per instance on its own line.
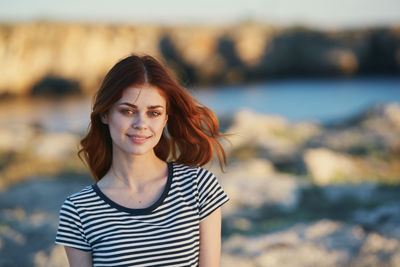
[191, 134]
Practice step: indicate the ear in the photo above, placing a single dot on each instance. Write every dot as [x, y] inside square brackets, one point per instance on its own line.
[104, 118]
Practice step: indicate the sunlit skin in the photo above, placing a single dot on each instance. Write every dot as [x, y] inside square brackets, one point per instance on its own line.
[136, 121]
[137, 176]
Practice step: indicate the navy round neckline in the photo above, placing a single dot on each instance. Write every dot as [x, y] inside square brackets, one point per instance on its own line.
[147, 210]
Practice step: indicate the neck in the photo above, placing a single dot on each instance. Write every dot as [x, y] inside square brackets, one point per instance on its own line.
[136, 171]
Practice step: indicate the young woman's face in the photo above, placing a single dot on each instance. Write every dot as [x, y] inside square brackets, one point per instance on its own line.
[136, 121]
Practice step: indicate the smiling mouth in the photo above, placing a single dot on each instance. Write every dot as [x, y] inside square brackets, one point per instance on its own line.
[137, 137]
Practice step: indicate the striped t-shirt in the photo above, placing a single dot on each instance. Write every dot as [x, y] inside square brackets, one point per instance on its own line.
[164, 234]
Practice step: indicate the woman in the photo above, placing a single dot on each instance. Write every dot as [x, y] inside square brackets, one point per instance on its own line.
[152, 203]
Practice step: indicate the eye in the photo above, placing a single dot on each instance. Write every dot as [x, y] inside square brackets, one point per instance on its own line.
[154, 113]
[126, 111]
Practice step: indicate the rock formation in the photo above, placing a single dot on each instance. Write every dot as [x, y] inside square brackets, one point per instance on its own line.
[75, 57]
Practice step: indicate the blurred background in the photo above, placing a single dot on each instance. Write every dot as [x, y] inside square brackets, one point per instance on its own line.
[309, 89]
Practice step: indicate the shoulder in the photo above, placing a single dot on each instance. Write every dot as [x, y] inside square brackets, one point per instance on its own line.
[79, 196]
[181, 171]
[196, 173]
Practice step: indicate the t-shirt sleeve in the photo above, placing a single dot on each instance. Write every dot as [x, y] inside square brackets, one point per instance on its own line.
[211, 194]
[70, 231]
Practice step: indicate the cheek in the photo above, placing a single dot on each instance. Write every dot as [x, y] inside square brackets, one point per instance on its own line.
[159, 127]
[118, 123]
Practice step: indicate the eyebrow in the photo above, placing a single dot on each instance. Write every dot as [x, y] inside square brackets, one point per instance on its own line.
[134, 106]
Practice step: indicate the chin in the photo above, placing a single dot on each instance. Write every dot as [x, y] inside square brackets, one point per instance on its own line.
[139, 152]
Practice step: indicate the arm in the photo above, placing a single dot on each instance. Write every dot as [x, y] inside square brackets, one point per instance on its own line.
[210, 240]
[78, 258]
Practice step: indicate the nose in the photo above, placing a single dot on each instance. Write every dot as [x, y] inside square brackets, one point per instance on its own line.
[139, 121]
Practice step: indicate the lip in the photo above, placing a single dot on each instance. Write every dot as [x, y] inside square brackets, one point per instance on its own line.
[138, 139]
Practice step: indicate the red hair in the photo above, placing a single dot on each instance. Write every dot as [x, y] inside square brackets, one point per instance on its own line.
[192, 130]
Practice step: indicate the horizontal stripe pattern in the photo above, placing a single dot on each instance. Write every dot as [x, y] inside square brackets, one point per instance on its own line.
[165, 234]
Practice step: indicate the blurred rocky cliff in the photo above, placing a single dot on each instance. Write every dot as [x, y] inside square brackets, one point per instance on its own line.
[45, 57]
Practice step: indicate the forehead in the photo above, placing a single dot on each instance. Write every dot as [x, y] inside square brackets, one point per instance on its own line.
[143, 95]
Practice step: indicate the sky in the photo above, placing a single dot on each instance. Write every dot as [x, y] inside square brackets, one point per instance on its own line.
[317, 13]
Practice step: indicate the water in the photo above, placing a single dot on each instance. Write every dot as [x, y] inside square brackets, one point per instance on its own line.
[321, 100]
[69, 114]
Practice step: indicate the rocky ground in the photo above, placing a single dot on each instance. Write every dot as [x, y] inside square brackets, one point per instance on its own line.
[283, 220]
[29, 219]
[271, 220]
[302, 194]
